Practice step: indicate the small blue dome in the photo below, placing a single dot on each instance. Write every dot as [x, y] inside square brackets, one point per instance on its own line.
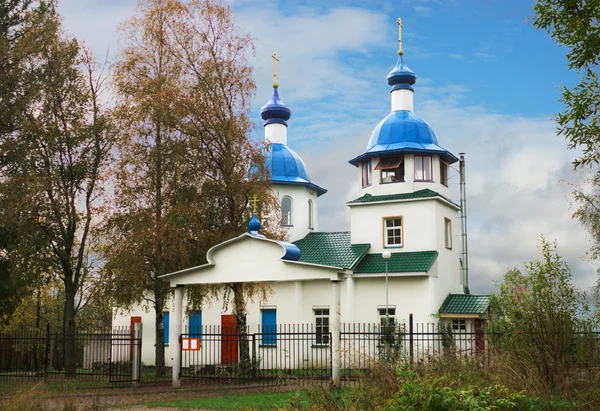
[403, 132]
[254, 224]
[286, 167]
[275, 111]
[401, 77]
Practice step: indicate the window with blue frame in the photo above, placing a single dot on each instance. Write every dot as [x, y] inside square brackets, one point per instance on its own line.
[166, 326]
[195, 324]
[269, 326]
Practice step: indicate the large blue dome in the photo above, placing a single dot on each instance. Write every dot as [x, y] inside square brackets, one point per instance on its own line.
[286, 167]
[403, 132]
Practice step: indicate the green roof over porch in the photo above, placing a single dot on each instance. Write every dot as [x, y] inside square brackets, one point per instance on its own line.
[465, 304]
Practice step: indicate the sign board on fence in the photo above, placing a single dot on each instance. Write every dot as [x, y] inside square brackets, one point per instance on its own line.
[190, 344]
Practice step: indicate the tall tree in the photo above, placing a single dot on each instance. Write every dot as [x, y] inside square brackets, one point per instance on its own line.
[183, 186]
[53, 166]
[574, 24]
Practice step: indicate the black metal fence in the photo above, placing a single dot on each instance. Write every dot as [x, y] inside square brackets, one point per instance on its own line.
[40, 355]
[300, 353]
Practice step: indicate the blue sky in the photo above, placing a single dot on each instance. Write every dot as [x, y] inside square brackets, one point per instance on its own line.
[488, 83]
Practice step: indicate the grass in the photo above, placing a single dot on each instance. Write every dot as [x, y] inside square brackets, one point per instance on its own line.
[257, 402]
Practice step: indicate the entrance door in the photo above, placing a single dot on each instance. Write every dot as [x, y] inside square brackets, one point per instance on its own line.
[229, 339]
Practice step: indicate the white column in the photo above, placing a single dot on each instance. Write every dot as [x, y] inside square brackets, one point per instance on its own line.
[349, 311]
[336, 361]
[276, 133]
[137, 355]
[175, 336]
[402, 100]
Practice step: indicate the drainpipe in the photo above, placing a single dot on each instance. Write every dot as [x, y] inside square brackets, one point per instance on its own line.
[464, 260]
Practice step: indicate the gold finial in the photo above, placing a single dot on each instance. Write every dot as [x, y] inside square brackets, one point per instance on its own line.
[400, 51]
[275, 60]
[254, 202]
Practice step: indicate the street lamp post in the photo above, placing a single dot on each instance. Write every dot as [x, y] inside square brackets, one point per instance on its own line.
[386, 256]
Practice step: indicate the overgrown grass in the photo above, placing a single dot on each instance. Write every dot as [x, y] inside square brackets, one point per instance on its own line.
[257, 402]
[36, 398]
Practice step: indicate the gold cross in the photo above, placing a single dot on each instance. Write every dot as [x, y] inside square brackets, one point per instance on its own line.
[400, 51]
[275, 60]
[254, 202]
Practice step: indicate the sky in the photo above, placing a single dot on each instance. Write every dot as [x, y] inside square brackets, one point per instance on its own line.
[487, 82]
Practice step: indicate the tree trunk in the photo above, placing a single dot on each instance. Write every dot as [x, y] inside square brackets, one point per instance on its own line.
[69, 347]
[240, 310]
[159, 353]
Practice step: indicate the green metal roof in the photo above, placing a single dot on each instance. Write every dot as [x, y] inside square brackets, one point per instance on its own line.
[332, 249]
[402, 262]
[426, 193]
[465, 304]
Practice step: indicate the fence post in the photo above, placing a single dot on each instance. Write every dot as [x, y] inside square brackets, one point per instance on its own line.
[137, 355]
[410, 337]
[253, 356]
[335, 334]
[47, 352]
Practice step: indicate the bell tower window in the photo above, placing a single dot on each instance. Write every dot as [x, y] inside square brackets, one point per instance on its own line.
[443, 173]
[367, 175]
[286, 211]
[423, 171]
[392, 169]
[310, 214]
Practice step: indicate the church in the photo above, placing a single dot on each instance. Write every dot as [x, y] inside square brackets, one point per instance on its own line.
[401, 255]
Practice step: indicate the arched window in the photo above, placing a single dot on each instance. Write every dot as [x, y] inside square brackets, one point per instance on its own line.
[310, 214]
[286, 211]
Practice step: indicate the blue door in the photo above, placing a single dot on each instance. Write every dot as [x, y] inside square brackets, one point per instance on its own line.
[166, 326]
[195, 326]
[269, 327]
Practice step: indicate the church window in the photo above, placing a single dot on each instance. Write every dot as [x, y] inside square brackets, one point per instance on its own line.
[367, 175]
[392, 169]
[392, 232]
[286, 211]
[322, 325]
[459, 325]
[443, 173]
[166, 327]
[448, 233]
[269, 326]
[423, 170]
[310, 214]
[390, 315]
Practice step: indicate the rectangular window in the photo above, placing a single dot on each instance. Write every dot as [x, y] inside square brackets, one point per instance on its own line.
[166, 326]
[392, 169]
[367, 175]
[448, 233]
[269, 326]
[392, 232]
[459, 325]
[423, 170]
[195, 324]
[443, 173]
[322, 325]
[383, 317]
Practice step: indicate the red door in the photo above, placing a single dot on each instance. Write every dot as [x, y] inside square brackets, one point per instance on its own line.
[229, 339]
[134, 321]
[479, 340]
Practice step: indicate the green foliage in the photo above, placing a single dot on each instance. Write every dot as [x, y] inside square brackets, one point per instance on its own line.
[574, 24]
[541, 318]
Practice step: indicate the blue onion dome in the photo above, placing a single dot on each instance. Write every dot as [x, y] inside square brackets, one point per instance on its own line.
[403, 131]
[401, 77]
[275, 111]
[254, 224]
[286, 167]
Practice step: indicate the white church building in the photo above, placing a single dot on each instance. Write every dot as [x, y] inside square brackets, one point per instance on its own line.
[404, 213]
